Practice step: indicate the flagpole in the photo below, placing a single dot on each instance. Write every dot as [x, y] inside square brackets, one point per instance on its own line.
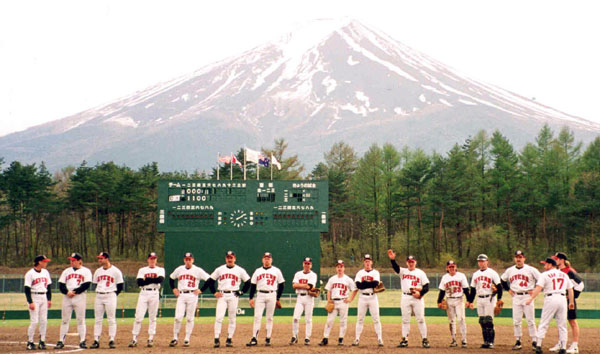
[218, 164]
[231, 168]
[244, 163]
[258, 169]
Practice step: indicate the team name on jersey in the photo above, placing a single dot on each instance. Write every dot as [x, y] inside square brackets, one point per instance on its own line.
[75, 276]
[40, 280]
[519, 277]
[151, 275]
[410, 276]
[106, 278]
[187, 277]
[453, 283]
[366, 278]
[483, 279]
[229, 276]
[303, 281]
[267, 276]
[339, 286]
[554, 275]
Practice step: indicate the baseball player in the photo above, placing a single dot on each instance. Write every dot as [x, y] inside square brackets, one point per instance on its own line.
[341, 290]
[228, 278]
[483, 284]
[454, 285]
[415, 285]
[149, 279]
[564, 265]
[303, 281]
[109, 284]
[519, 280]
[554, 284]
[39, 297]
[268, 282]
[366, 280]
[188, 279]
[73, 283]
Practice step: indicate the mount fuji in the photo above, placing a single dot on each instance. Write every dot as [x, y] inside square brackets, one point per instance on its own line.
[327, 81]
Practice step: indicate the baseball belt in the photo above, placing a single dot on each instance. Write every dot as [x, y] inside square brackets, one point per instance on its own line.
[228, 291]
[110, 292]
[186, 291]
[337, 299]
[38, 293]
[367, 294]
[302, 294]
[555, 294]
[266, 291]
[149, 289]
[521, 293]
[484, 296]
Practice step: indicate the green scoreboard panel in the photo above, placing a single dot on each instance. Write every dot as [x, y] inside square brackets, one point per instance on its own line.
[209, 217]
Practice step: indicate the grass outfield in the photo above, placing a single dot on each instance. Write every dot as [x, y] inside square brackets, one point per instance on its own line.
[503, 321]
[389, 298]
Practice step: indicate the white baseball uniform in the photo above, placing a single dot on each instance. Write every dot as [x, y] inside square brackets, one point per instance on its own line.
[228, 283]
[188, 280]
[267, 280]
[522, 281]
[38, 282]
[148, 300]
[412, 279]
[106, 281]
[367, 300]
[339, 289]
[304, 302]
[73, 278]
[453, 285]
[482, 281]
[554, 284]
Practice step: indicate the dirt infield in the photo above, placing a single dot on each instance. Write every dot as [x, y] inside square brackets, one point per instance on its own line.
[203, 333]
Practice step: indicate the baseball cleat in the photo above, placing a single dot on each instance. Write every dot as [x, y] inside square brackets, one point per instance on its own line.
[111, 344]
[294, 340]
[133, 343]
[252, 342]
[30, 346]
[173, 343]
[42, 345]
[380, 342]
[453, 344]
[306, 341]
[464, 344]
[355, 343]
[82, 345]
[340, 341]
[573, 349]
[517, 345]
[150, 343]
[425, 343]
[485, 345]
[534, 344]
[562, 351]
[555, 348]
[538, 350]
[186, 343]
[267, 342]
[491, 346]
[59, 345]
[217, 343]
[94, 345]
[403, 343]
[324, 342]
[228, 343]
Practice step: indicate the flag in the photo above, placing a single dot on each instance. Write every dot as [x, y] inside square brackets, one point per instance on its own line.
[264, 161]
[234, 160]
[253, 155]
[225, 159]
[275, 162]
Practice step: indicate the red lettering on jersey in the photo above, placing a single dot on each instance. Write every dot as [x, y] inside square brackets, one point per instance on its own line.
[483, 278]
[107, 278]
[187, 277]
[40, 280]
[228, 276]
[366, 278]
[151, 275]
[266, 276]
[303, 281]
[519, 277]
[452, 283]
[409, 276]
[339, 286]
[75, 276]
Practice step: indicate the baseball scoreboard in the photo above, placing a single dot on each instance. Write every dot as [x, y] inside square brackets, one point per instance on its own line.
[250, 217]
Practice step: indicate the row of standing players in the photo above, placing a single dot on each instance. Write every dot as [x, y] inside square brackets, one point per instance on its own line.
[267, 283]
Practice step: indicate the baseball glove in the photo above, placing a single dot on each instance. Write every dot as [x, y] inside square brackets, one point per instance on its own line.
[329, 307]
[278, 304]
[498, 307]
[443, 305]
[379, 288]
[314, 292]
[413, 291]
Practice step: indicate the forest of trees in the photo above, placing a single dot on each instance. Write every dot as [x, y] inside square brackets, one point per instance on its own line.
[481, 196]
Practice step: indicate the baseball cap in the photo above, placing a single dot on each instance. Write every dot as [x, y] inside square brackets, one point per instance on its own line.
[103, 255]
[367, 256]
[519, 253]
[41, 258]
[267, 255]
[307, 260]
[230, 254]
[560, 255]
[482, 257]
[339, 262]
[411, 259]
[152, 255]
[188, 255]
[549, 260]
[450, 263]
[74, 257]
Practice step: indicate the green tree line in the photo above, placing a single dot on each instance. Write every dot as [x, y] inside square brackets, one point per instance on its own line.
[481, 196]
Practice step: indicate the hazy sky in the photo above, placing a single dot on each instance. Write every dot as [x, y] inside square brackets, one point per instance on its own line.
[58, 58]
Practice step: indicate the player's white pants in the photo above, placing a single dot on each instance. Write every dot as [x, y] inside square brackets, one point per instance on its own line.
[340, 309]
[70, 304]
[370, 303]
[105, 303]
[39, 315]
[264, 301]
[520, 308]
[555, 306]
[411, 304]
[186, 305]
[227, 302]
[304, 304]
[485, 305]
[148, 300]
[456, 313]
